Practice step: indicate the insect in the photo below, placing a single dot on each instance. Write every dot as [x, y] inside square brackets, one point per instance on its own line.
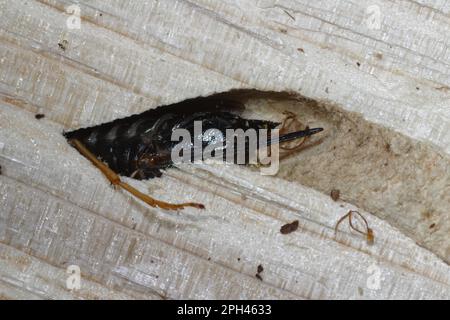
[368, 233]
[140, 146]
[63, 44]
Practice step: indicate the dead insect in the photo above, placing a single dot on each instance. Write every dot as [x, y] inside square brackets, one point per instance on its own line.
[39, 116]
[368, 233]
[289, 227]
[140, 146]
[63, 44]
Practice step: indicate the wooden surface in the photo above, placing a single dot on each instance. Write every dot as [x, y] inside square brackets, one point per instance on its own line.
[128, 56]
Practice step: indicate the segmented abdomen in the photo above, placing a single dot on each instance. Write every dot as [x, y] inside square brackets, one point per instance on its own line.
[140, 146]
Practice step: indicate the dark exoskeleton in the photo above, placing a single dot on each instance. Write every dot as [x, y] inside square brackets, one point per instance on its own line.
[140, 146]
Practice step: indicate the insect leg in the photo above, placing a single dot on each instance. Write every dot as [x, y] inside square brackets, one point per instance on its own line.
[290, 121]
[115, 180]
[289, 124]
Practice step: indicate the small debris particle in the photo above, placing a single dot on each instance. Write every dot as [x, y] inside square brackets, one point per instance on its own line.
[326, 90]
[0, 169]
[101, 14]
[417, 88]
[301, 50]
[282, 30]
[289, 227]
[63, 44]
[426, 214]
[370, 237]
[432, 225]
[335, 194]
[290, 15]
[358, 64]
[238, 259]
[260, 269]
[379, 55]
[387, 147]
[360, 291]
[39, 116]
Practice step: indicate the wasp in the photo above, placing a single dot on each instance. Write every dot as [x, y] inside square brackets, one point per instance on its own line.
[140, 146]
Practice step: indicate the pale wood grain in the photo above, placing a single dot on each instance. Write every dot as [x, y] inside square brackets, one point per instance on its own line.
[129, 56]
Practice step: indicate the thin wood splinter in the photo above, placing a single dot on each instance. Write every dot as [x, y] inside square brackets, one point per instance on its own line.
[368, 233]
[115, 180]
